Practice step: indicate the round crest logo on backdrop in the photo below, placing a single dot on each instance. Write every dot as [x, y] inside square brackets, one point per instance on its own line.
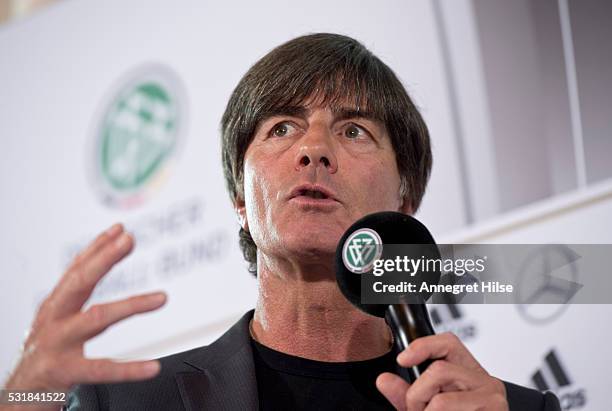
[361, 249]
[137, 135]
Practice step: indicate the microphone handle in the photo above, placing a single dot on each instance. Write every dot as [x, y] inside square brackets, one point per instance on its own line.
[409, 322]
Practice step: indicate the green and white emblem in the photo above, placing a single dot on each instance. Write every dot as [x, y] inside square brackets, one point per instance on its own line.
[361, 249]
[138, 135]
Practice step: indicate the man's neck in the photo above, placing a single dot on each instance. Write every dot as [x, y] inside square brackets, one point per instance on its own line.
[312, 319]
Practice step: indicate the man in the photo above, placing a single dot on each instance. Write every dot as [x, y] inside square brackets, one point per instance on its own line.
[317, 134]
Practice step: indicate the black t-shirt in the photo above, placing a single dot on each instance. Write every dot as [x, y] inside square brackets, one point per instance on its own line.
[285, 382]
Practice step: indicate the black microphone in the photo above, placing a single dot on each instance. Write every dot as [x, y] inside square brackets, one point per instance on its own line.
[408, 318]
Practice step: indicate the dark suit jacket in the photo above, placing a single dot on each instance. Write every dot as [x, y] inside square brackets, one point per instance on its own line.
[221, 376]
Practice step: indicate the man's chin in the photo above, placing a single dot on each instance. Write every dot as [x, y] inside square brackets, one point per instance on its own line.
[310, 249]
[313, 252]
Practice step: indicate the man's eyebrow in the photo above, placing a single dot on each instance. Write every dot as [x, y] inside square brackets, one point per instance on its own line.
[341, 113]
[292, 111]
[345, 113]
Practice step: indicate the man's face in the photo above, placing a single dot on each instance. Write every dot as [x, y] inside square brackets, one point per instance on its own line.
[309, 174]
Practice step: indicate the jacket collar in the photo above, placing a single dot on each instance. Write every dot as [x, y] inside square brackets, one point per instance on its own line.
[225, 373]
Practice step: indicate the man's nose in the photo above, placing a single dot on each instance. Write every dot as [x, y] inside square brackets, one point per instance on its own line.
[316, 148]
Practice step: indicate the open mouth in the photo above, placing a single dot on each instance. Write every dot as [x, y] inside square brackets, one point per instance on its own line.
[316, 194]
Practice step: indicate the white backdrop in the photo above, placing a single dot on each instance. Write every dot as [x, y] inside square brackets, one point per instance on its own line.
[60, 71]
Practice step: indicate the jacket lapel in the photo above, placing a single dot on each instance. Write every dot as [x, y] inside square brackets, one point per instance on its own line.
[224, 375]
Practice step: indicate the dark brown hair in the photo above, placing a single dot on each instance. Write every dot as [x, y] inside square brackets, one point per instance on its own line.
[331, 69]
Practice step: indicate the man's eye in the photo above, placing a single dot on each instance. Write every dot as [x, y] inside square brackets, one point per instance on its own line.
[353, 131]
[282, 129]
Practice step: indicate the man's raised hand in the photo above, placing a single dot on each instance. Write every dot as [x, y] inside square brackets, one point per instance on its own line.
[53, 356]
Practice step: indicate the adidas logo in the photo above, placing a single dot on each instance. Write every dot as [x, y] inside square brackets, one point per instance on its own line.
[553, 371]
[448, 317]
[553, 376]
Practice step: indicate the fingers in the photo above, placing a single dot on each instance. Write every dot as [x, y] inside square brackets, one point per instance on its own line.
[472, 400]
[107, 371]
[53, 351]
[102, 238]
[439, 377]
[99, 317]
[454, 381]
[442, 346]
[78, 283]
[402, 395]
[393, 387]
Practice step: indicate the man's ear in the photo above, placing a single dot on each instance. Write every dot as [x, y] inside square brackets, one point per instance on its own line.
[240, 209]
[406, 206]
